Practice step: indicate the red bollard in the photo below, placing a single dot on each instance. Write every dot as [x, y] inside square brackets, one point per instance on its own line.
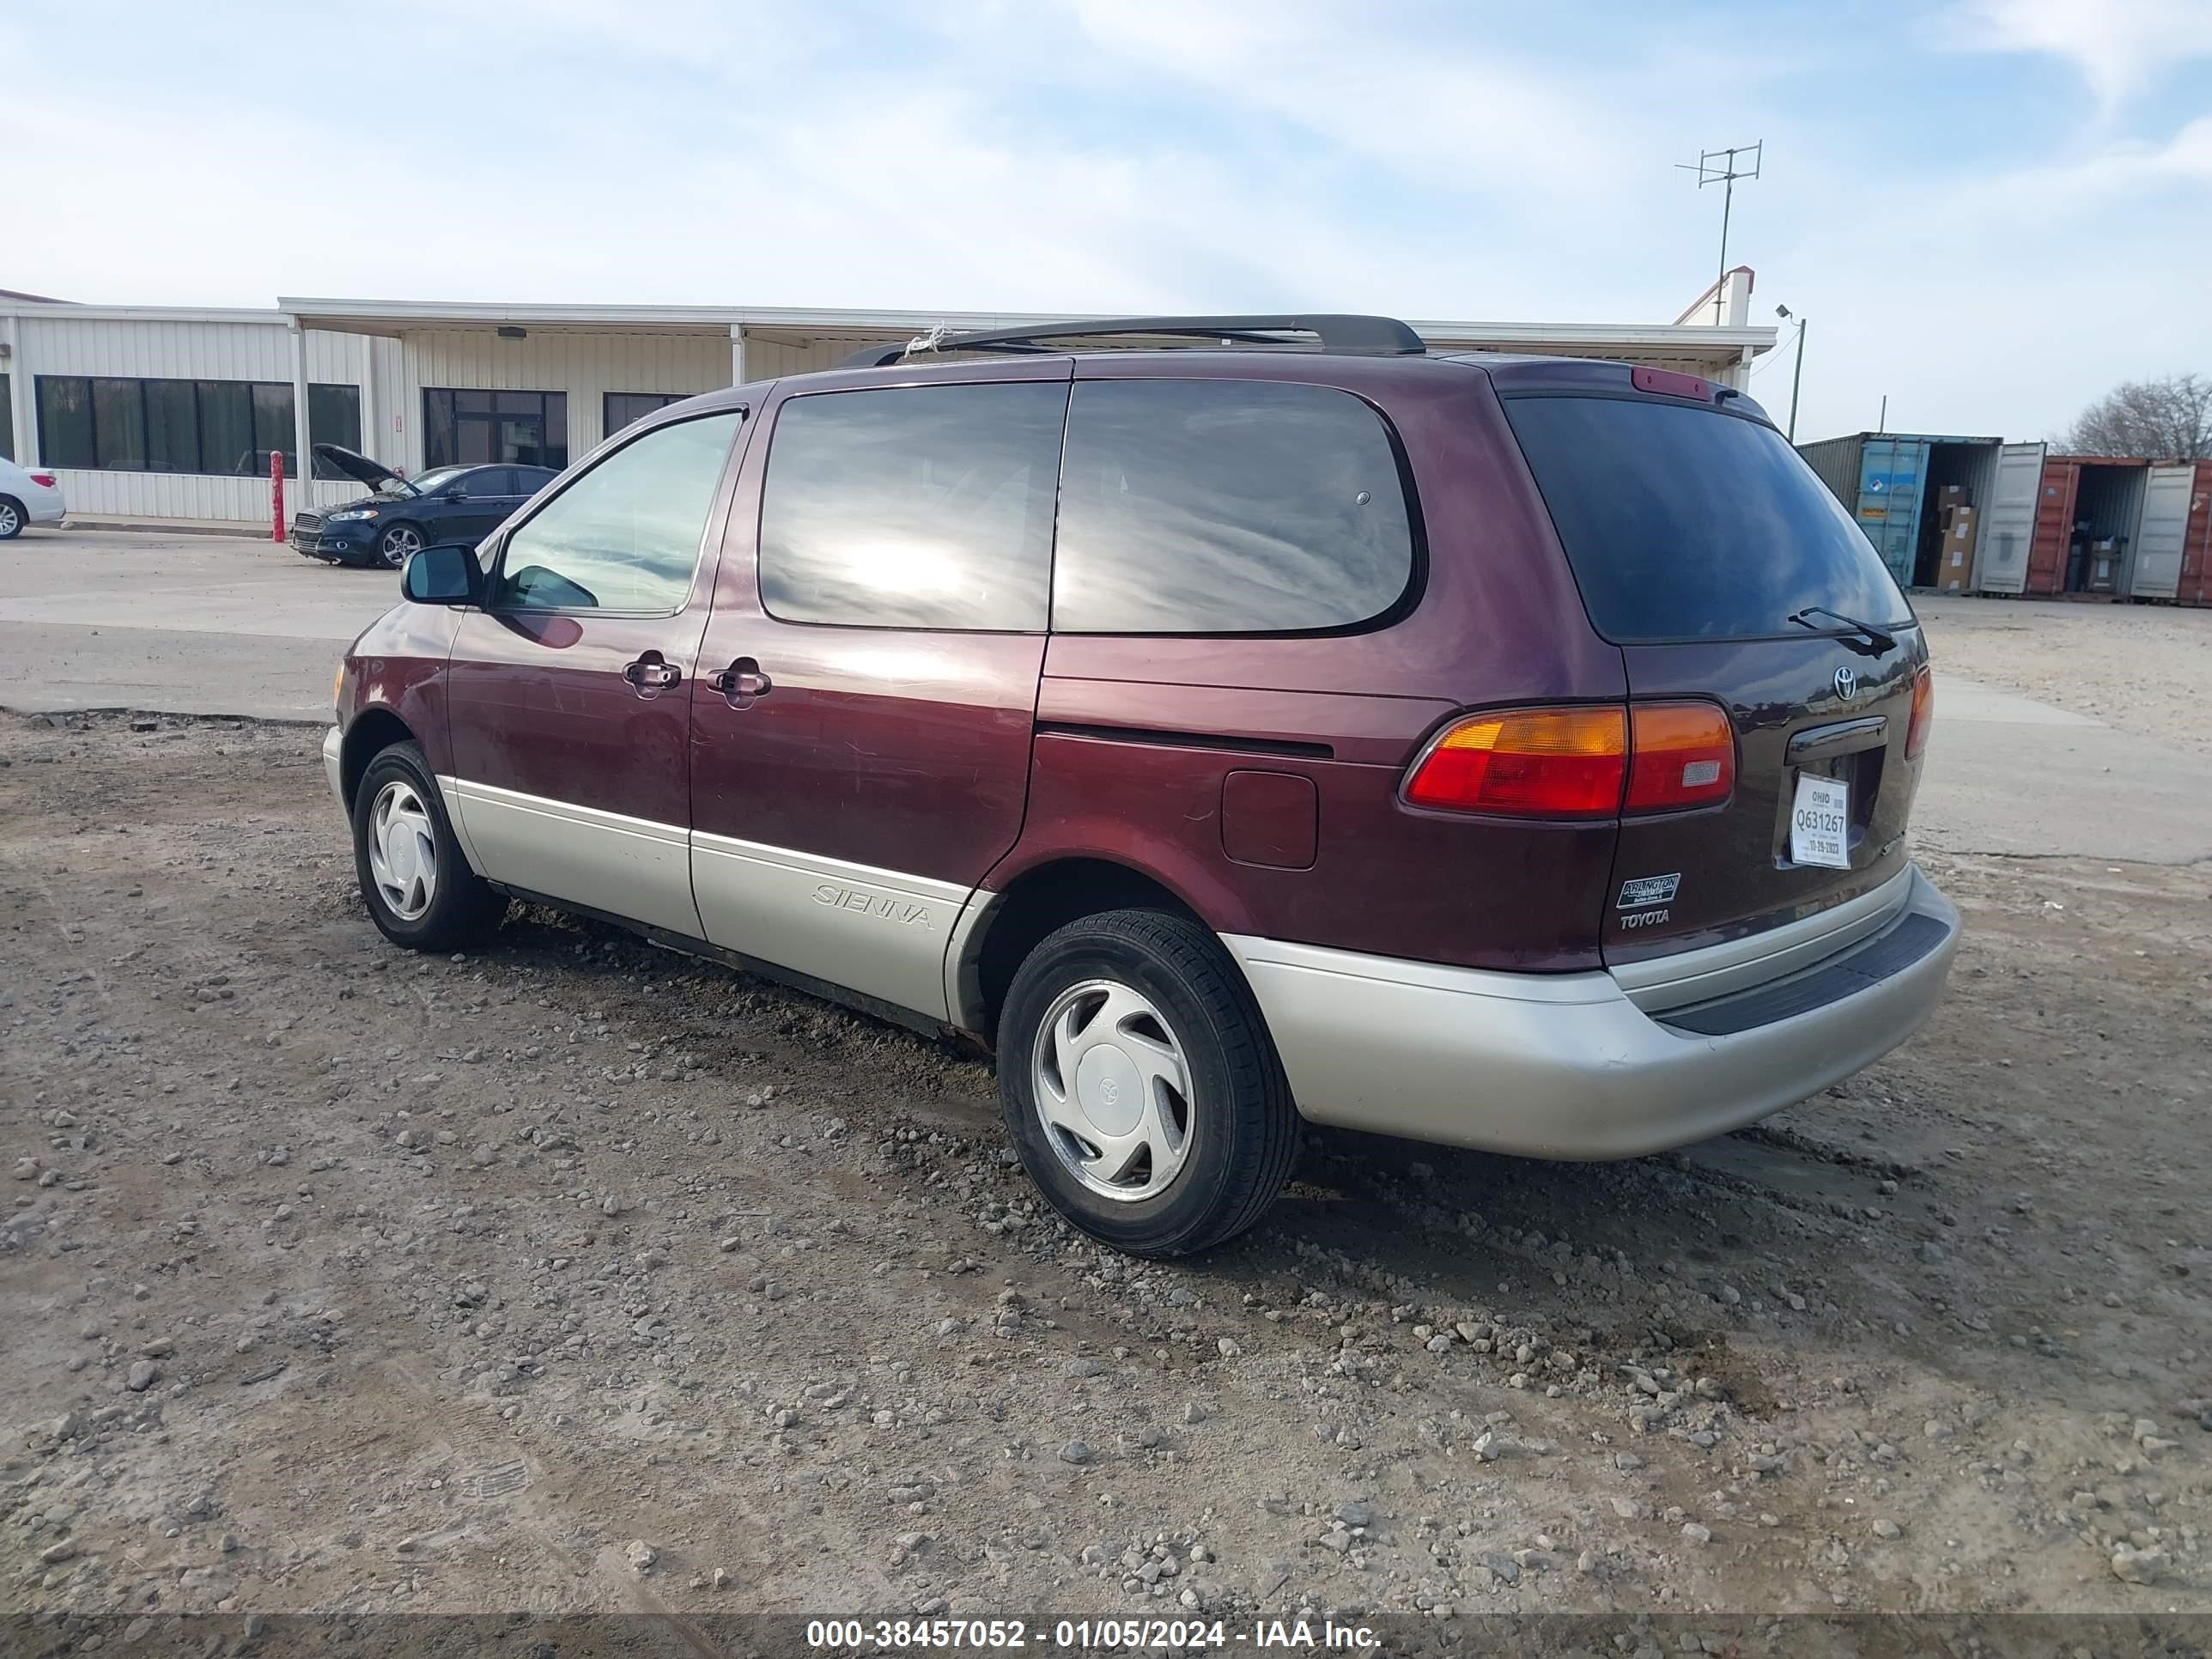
[276, 495]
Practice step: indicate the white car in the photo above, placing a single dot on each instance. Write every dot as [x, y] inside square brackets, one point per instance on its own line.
[27, 497]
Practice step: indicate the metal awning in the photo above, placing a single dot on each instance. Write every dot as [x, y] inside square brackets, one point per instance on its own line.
[806, 326]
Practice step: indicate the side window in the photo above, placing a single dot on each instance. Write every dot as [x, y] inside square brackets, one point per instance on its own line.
[1226, 507]
[625, 536]
[913, 507]
[489, 481]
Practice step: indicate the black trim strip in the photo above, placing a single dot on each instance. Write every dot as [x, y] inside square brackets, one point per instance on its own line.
[1186, 740]
[1892, 952]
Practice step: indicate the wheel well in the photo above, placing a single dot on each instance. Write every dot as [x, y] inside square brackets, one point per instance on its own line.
[1049, 898]
[369, 737]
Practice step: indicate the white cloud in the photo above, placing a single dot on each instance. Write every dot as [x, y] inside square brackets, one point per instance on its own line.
[2120, 46]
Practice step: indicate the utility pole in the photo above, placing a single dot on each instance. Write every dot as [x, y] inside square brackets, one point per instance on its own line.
[1797, 373]
[1718, 166]
[1882, 424]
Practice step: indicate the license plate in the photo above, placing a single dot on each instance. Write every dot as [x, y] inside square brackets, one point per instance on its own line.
[1820, 822]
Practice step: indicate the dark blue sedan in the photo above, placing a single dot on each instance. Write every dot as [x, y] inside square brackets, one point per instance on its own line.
[447, 504]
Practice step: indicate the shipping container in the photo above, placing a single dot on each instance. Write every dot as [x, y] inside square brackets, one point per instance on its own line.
[2154, 562]
[2196, 587]
[1892, 483]
[2089, 519]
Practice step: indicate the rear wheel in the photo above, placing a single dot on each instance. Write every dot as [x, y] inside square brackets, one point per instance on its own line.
[420, 891]
[398, 544]
[1139, 1085]
[11, 518]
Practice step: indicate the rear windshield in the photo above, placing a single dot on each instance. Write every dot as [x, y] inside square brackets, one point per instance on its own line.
[1685, 523]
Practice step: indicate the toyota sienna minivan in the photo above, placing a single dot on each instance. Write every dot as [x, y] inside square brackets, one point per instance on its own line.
[1228, 721]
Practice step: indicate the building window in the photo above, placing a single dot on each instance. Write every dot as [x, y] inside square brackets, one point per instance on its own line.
[7, 419]
[333, 417]
[492, 428]
[624, 407]
[226, 428]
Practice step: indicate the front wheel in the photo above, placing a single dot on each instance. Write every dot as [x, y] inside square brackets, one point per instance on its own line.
[398, 544]
[420, 891]
[1140, 1085]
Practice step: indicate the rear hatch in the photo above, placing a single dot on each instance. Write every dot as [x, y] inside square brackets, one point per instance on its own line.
[1725, 572]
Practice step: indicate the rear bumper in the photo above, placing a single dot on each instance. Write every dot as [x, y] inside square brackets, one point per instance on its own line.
[1567, 1065]
[43, 505]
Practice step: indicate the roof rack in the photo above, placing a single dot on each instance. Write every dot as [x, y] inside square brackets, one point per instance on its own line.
[1372, 336]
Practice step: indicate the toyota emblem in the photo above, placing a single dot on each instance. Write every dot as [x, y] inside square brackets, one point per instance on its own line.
[1847, 683]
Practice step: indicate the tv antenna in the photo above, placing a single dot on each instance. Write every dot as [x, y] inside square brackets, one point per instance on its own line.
[1720, 167]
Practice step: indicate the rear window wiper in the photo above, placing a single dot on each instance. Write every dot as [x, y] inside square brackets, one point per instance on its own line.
[1880, 641]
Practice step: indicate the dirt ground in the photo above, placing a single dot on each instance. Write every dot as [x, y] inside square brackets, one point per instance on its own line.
[576, 1276]
[2146, 669]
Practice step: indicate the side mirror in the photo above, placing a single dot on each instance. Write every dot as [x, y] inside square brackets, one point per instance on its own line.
[443, 576]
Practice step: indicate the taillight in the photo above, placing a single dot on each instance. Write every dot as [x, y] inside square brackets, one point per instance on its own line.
[1924, 712]
[1681, 755]
[44, 480]
[1668, 383]
[1527, 762]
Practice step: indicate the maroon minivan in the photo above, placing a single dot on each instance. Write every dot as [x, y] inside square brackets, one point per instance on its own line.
[1225, 719]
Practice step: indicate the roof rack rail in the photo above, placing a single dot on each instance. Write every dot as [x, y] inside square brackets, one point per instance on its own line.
[1374, 337]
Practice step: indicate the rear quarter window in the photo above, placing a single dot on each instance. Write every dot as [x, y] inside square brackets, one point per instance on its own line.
[1688, 524]
[1227, 507]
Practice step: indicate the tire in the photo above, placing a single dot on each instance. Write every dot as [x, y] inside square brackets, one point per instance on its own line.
[434, 904]
[1228, 1148]
[398, 544]
[12, 518]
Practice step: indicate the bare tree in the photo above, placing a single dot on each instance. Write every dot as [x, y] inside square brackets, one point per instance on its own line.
[2164, 419]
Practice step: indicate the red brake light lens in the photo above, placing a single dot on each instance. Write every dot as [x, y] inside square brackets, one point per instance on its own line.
[1527, 762]
[44, 480]
[1682, 755]
[1668, 383]
[1924, 712]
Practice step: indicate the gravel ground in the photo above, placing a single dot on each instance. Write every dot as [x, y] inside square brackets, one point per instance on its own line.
[575, 1276]
[2146, 669]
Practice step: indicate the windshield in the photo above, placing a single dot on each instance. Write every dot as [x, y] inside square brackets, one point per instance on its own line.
[1686, 524]
[428, 484]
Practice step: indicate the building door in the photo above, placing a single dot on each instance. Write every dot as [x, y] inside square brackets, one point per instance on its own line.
[2008, 526]
[462, 428]
[862, 714]
[567, 694]
[2155, 561]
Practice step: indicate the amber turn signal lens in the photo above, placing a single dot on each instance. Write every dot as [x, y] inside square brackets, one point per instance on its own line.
[1527, 762]
[1924, 712]
[1681, 755]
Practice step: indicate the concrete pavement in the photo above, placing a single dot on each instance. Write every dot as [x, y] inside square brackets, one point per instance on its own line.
[221, 625]
[185, 624]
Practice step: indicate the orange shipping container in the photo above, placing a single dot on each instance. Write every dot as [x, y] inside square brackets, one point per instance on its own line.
[2197, 541]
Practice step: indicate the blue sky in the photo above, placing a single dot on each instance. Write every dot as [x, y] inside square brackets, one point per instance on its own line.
[1990, 209]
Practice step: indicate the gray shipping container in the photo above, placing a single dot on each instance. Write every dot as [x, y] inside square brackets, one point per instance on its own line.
[1888, 481]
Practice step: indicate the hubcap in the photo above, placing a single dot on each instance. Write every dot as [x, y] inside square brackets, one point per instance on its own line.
[8, 520]
[1113, 1091]
[403, 851]
[400, 545]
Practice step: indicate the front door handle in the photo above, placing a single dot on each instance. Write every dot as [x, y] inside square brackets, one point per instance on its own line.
[741, 682]
[652, 674]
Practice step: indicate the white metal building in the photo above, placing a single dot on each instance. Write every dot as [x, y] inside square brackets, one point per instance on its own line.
[151, 414]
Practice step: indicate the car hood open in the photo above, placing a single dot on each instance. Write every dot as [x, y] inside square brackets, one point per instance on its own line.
[375, 474]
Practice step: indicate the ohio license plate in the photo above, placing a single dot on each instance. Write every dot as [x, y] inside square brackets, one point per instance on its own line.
[1820, 822]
